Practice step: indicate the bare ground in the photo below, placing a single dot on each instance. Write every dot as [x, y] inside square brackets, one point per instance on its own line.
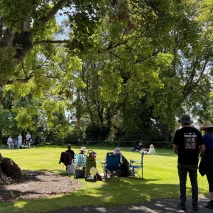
[37, 184]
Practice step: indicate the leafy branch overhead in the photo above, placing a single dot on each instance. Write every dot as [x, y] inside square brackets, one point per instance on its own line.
[106, 62]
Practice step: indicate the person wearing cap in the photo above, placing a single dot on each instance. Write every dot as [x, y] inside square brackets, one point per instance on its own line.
[207, 159]
[188, 143]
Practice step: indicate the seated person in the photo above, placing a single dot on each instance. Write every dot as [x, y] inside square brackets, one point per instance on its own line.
[69, 146]
[83, 150]
[124, 164]
[138, 147]
[151, 150]
[118, 151]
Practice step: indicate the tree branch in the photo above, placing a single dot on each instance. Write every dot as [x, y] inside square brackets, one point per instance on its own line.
[43, 20]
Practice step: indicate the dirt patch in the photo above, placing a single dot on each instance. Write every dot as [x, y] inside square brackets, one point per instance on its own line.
[37, 184]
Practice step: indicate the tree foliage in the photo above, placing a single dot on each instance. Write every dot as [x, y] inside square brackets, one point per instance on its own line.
[128, 66]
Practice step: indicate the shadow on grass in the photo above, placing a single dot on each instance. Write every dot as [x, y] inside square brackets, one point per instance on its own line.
[101, 193]
[108, 193]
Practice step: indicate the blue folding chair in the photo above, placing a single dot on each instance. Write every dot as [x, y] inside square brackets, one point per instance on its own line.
[111, 166]
[136, 166]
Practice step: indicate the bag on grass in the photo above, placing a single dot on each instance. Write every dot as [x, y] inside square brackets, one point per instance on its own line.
[70, 169]
[79, 173]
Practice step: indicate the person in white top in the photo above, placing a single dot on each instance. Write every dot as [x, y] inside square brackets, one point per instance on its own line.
[19, 140]
[10, 142]
[151, 150]
[28, 136]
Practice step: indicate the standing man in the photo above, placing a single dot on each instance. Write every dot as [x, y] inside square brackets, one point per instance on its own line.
[187, 143]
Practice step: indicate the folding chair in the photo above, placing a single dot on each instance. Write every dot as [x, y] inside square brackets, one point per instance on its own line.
[112, 166]
[80, 165]
[137, 166]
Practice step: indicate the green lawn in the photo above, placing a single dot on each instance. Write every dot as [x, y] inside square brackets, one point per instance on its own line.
[160, 180]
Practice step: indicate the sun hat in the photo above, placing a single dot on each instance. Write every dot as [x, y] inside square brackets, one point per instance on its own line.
[83, 149]
[185, 119]
[151, 146]
[206, 124]
[117, 150]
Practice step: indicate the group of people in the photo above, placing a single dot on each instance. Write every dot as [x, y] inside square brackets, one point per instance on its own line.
[11, 142]
[189, 143]
[123, 161]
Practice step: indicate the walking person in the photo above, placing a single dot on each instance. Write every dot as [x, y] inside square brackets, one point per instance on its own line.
[207, 159]
[19, 140]
[188, 143]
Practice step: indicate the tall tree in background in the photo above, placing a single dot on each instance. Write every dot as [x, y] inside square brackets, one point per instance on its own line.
[121, 55]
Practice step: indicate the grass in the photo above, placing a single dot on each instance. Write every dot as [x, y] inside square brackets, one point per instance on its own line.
[160, 180]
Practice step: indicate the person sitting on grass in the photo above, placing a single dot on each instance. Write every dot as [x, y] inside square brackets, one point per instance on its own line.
[151, 150]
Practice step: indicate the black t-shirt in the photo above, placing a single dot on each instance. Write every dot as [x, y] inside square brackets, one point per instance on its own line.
[188, 139]
[71, 152]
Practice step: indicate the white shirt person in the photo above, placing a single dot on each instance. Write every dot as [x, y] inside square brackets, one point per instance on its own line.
[19, 140]
[28, 136]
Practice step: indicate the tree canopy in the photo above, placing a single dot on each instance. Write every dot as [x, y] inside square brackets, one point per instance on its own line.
[126, 68]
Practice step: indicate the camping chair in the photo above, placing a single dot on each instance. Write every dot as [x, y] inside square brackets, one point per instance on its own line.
[112, 166]
[80, 165]
[137, 166]
[90, 162]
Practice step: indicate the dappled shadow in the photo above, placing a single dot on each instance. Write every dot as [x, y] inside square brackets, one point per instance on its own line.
[37, 184]
[154, 206]
[110, 193]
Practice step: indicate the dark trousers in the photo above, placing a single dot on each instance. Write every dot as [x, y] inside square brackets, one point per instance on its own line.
[183, 170]
[209, 175]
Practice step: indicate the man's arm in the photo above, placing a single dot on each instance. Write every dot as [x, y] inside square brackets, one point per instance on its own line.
[202, 148]
[175, 147]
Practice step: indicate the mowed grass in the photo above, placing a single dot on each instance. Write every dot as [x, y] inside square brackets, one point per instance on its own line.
[160, 180]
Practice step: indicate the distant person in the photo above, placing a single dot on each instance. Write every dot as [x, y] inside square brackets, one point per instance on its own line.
[151, 150]
[138, 147]
[69, 149]
[10, 142]
[208, 159]
[28, 136]
[188, 143]
[19, 140]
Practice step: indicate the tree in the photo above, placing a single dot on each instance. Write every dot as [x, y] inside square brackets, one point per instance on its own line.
[26, 25]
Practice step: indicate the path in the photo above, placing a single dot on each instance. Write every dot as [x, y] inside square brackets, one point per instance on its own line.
[156, 206]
